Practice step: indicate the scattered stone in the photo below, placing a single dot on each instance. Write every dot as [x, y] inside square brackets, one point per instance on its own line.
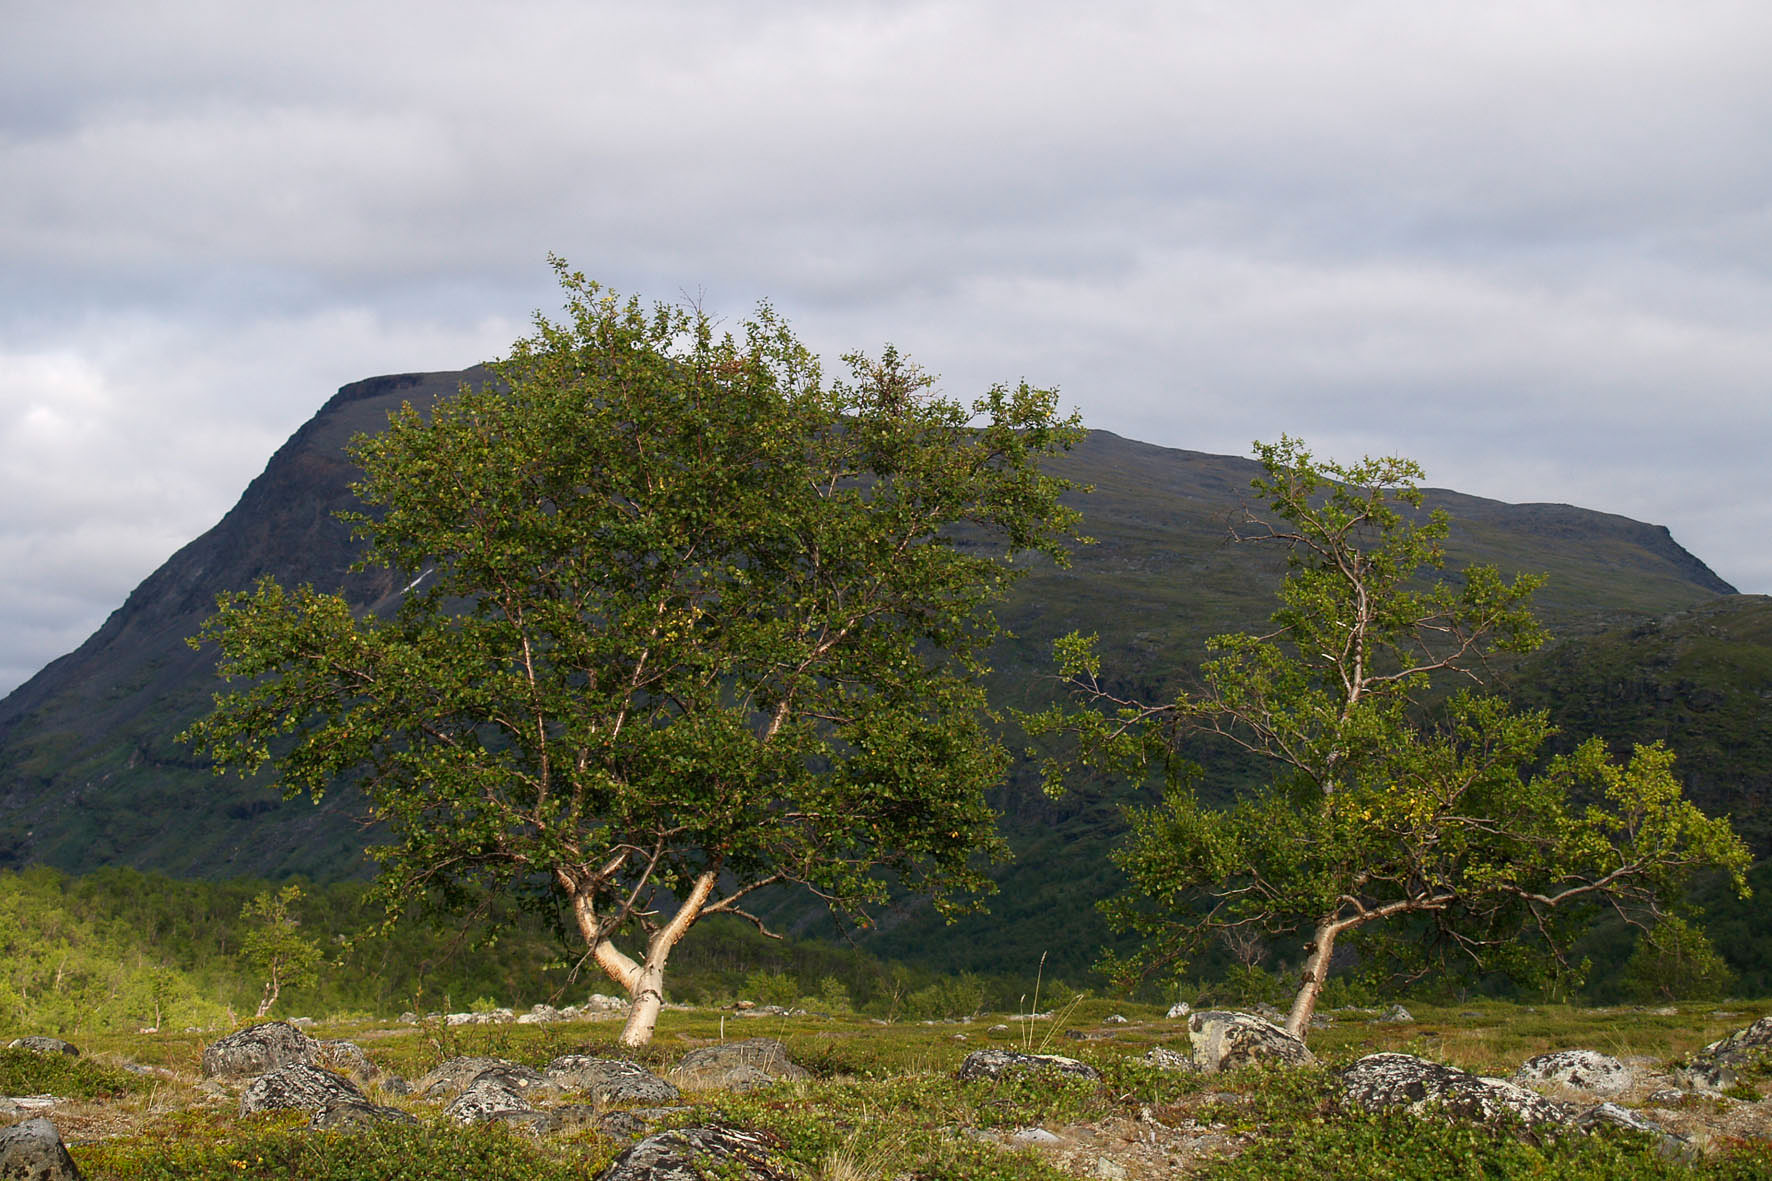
[994, 1064]
[344, 1114]
[737, 1066]
[1179, 1009]
[1166, 1059]
[448, 1078]
[43, 1045]
[1033, 1136]
[1113, 1019]
[610, 1080]
[302, 1022]
[686, 1154]
[259, 1049]
[394, 1084]
[1268, 1013]
[541, 1015]
[409, 1018]
[486, 1099]
[1665, 1097]
[1395, 1015]
[297, 1087]
[33, 1151]
[603, 1003]
[1665, 1011]
[1225, 1041]
[1580, 1070]
[1380, 1081]
[1610, 1115]
[999, 1028]
[525, 1081]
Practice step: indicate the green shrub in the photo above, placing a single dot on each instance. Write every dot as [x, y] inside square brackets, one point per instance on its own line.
[26, 1072]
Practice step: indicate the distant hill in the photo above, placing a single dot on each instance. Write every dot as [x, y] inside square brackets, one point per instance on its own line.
[90, 776]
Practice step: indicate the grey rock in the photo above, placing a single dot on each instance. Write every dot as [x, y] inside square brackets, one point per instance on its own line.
[1719, 1065]
[1113, 1019]
[1396, 1015]
[1225, 1041]
[1270, 1014]
[344, 1114]
[393, 1084]
[1610, 1115]
[33, 1151]
[26, 1104]
[610, 1080]
[737, 1066]
[1179, 1009]
[347, 1058]
[485, 1099]
[1380, 1081]
[449, 1078]
[525, 1081]
[1033, 1136]
[684, 1154]
[1581, 1070]
[541, 1015]
[1666, 1096]
[603, 1003]
[297, 1087]
[43, 1045]
[259, 1049]
[994, 1064]
[1166, 1059]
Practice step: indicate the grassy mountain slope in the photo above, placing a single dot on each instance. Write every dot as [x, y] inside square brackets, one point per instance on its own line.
[90, 776]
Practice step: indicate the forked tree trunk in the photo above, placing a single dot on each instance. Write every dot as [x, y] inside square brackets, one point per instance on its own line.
[644, 980]
[269, 997]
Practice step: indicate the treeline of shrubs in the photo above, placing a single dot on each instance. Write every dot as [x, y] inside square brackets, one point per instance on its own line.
[120, 950]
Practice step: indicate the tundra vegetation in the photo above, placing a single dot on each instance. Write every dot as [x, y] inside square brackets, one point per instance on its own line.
[684, 621]
[1413, 819]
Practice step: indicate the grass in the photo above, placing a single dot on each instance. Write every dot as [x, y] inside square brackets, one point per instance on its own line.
[884, 1105]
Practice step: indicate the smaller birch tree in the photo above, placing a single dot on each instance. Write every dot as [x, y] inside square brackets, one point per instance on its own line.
[1392, 807]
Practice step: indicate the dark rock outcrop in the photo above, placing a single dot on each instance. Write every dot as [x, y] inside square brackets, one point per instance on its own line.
[449, 1078]
[610, 1080]
[995, 1064]
[43, 1045]
[297, 1087]
[1225, 1041]
[1718, 1066]
[344, 1113]
[485, 1099]
[687, 1154]
[259, 1049]
[33, 1151]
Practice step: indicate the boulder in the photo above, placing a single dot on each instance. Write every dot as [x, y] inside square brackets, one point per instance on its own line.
[33, 1151]
[541, 1015]
[737, 1066]
[1225, 1041]
[1381, 1081]
[1579, 1070]
[344, 1114]
[448, 1078]
[486, 1099]
[994, 1064]
[1179, 1009]
[1718, 1066]
[610, 1080]
[689, 1154]
[1166, 1059]
[297, 1087]
[259, 1049]
[43, 1045]
[347, 1058]
[524, 1081]
[1395, 1015]
[599, 1002]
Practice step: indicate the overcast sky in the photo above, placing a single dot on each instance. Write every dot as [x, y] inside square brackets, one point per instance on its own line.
[1529, 245]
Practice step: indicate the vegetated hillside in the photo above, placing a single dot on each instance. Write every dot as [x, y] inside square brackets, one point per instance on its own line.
[90, 775]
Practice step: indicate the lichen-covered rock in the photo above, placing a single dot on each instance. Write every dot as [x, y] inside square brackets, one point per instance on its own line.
[449, 1078]
[1225, 1041]
[610, 1080]
[344, 1113]
[518, 1079]
[347, 1058]
[1580, 1070]
[1718, 1066]
[1395, 1015]
[1380, 1081]
[486, 1099]
[689, 1154]
[994, 1064]
[297, 1087]
[1179, 1009]
[1166, 1059]
[43, 1045]
[737, 1066]
[33, 1151]
[259, 1049]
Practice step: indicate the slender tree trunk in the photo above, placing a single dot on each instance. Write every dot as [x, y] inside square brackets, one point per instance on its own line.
[644, 980]
[1310, 985]
[269, 998]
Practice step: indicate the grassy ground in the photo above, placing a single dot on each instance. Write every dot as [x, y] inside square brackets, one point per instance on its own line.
[883, 1102]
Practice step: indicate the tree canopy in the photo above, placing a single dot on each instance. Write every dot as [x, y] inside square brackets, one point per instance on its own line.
[1398, 804]
[684, 621]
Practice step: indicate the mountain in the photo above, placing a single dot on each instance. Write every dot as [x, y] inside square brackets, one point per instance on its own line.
[90, 774]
